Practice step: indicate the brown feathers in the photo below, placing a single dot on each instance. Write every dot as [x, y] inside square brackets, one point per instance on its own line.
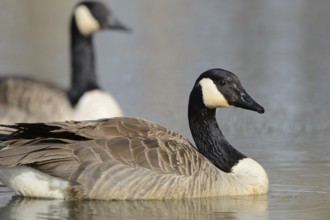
[85, 153]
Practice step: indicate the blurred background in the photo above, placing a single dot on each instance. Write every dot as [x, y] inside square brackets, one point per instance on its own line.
[279, 49]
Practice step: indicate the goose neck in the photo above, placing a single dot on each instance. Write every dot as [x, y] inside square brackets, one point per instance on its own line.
[83, 77]
[208, 137]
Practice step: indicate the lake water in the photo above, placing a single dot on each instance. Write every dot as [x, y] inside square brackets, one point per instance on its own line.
[280, 50]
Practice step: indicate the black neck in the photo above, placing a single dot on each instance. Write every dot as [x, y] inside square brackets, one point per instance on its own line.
[207, 135]
[83, 77]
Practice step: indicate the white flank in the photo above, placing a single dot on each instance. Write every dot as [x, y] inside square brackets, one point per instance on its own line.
[212, 97]
[27, 181]
[86, 22]
[97, 104]
[250, 173]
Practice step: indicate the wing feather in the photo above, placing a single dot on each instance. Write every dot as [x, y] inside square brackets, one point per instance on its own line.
[88, 152]
[20, 100]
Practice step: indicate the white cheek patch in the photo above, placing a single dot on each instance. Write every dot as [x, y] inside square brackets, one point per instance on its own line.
[212, 97]
[86, 22]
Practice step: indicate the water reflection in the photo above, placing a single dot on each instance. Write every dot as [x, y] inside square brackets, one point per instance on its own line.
[211, 208]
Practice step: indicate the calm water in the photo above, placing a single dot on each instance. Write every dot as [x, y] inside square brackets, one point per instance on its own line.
[279, 49]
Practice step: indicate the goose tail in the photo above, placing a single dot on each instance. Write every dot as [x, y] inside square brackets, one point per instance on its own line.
[31, 131]
[6, 132]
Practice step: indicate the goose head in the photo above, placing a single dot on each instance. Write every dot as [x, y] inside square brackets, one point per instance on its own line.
[222, 89]
[218, 88]
[92, 16]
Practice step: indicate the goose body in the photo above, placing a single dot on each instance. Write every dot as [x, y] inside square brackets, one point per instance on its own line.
[132, 158]
[28, 100]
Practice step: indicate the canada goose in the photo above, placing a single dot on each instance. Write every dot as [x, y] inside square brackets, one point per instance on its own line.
[131, 158]
[27, 100]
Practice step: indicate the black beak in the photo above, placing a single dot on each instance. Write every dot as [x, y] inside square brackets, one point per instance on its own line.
[115, 24]
[245, 101]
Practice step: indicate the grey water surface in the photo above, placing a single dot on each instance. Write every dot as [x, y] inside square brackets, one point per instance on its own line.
[279, 49]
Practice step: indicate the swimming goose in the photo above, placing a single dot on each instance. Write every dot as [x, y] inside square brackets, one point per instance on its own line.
[28, 100]
[131, 158]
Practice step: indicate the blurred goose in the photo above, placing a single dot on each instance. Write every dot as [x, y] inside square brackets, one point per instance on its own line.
[27, 100]
[131, 158]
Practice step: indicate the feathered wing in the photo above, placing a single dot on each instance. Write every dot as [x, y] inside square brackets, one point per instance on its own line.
[23, 96]
[11, 114]
[99, 156]
[116, 127]
[163, 154]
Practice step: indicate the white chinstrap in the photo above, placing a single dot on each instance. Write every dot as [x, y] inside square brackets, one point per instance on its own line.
[212, 97]
[86, 22]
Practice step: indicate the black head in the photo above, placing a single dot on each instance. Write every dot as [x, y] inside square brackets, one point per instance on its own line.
[221, 88]
[93, 16]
